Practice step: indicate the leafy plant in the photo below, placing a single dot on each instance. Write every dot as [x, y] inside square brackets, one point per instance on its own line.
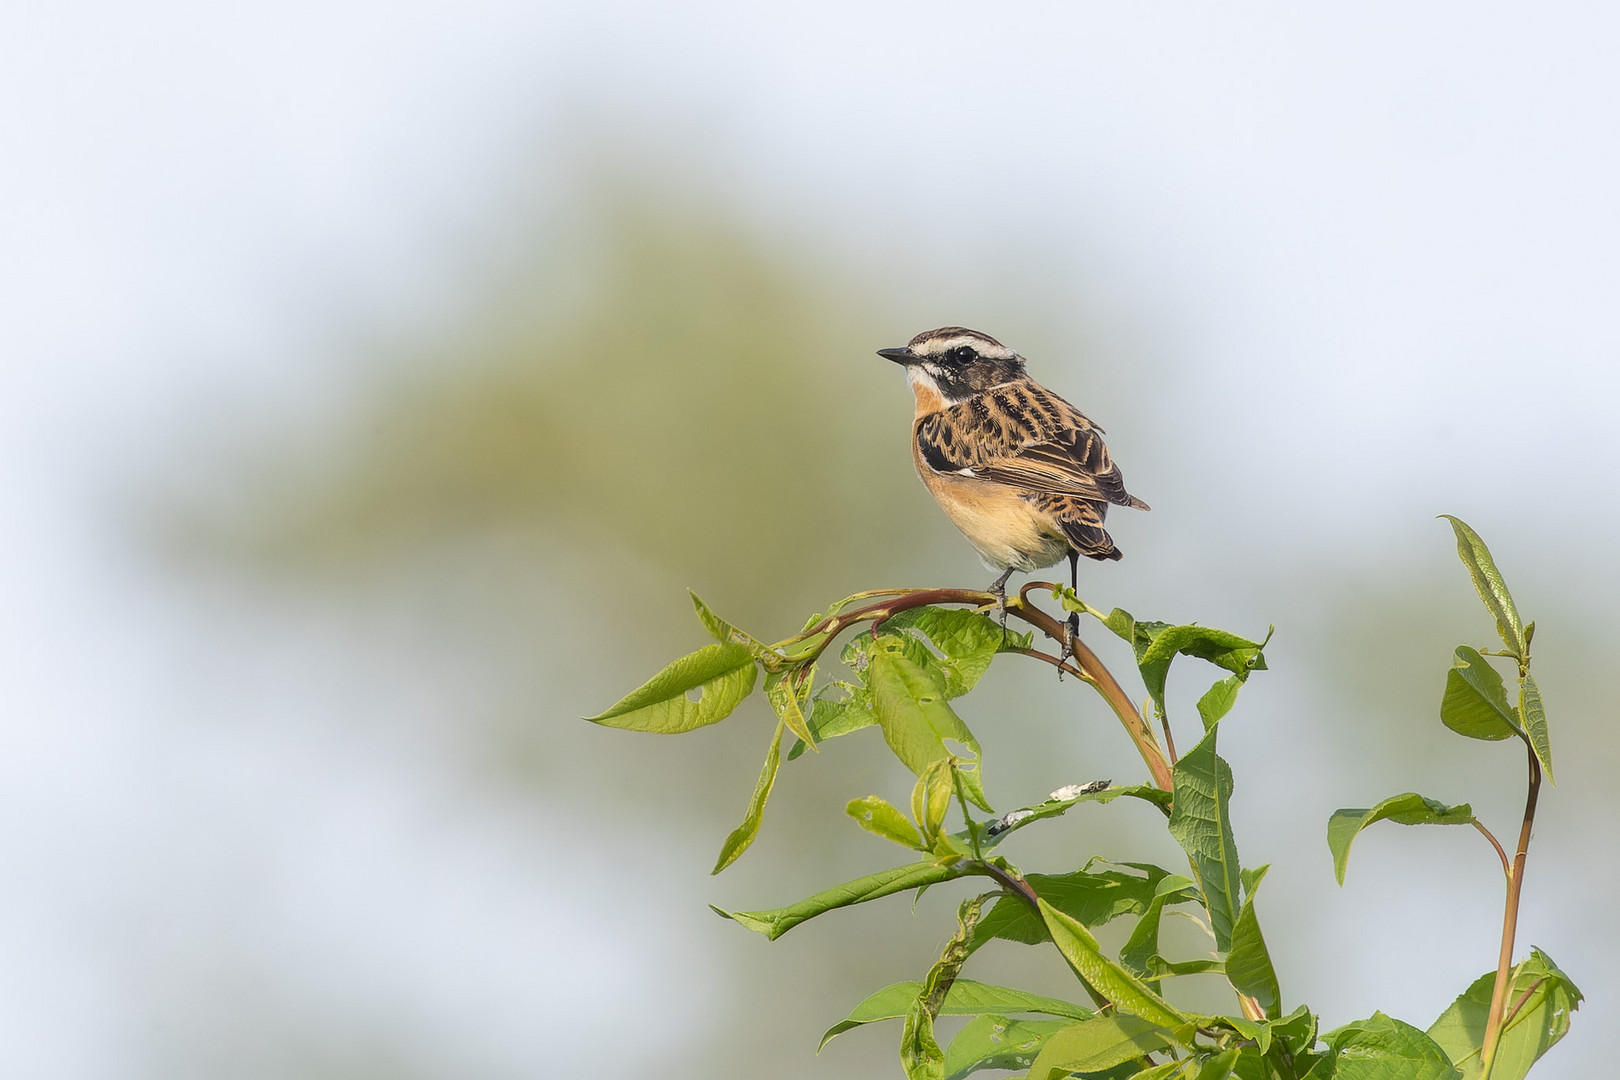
[913, 651]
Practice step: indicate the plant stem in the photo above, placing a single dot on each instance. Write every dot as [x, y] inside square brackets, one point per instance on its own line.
[1091, 669]
[1169, 739]
[1510, 922]
[1507, 868]
[1015, 885]
[1100, 677]
[1048, 658]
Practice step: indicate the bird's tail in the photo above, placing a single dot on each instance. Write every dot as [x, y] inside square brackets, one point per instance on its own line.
[1082, 524]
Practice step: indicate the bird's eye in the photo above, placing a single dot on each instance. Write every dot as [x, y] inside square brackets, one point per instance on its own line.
[963, 354]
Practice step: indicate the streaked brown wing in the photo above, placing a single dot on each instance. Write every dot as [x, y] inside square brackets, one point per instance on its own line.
[1024, 435]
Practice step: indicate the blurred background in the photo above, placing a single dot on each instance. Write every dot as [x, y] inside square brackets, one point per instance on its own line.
[375, 377]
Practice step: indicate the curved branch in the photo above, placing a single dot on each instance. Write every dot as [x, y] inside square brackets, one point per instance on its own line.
[1086, 665]
[1507, 869]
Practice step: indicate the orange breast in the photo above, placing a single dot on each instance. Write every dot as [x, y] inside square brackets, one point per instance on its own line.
[1003, 527]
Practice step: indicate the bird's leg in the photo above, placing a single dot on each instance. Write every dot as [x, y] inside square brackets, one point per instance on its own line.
[998, 589]
[1071, 628]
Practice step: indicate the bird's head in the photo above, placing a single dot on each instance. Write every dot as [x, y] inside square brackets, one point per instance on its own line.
[956, 362]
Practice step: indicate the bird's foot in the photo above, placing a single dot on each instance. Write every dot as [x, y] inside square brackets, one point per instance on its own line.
[998, 589]
[1071, 634]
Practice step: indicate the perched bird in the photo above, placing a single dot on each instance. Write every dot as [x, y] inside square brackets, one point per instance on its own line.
[1020, 471]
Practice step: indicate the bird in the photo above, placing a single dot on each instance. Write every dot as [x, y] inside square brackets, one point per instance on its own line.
[1021, 472]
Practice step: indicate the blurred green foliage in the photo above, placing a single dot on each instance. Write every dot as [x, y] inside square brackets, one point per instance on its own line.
[663, 386]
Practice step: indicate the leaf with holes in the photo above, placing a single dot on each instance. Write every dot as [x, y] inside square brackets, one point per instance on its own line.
[1540, 1000]
[997, 1042]
[880, 817]
[918, 724]
[788, 691]
[722, 676]
[966, 998]
[1094, 1045]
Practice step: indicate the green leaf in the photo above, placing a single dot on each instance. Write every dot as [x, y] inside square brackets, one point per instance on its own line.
[1248, 965]
[1097, 1044]
[1296, 1031]
[1180, 1069]
[773, 924]
[1534, 715]
[1382, 1048]
[804, 646]
[1059, 802]
[1202, 1065]
[877, 815]
[1139, 635]
[788, 691]
[931, 798]
[1218, 1066]
[829, 719]
[1092, 898]
[1493, 591]
[966, 998]
[919, 1050]
[1140, 953]
[1127, 993]
[909, 702]
[1218, 700]
[743, 835]
[1225, 650]
[1408, 809]
[1257, 1030]
[996, 1042]
[968, 640]
[1474, 704]
[1200, 820]
[1142, 947]
[723, 674]
[726, 633]
[1542, 1018]
[1156, 644]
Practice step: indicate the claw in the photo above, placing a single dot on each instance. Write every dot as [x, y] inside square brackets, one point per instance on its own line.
[1071, 628]
[1071, 634]
[998, 589]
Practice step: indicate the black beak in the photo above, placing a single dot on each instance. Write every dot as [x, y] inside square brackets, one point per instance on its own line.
[899, 356]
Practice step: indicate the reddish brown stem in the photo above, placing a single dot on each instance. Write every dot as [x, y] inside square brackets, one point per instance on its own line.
[1012, 884]
[1507, 868]
[1091, 669]
[1510, 922]
[1518, 1002]
[1103, 679]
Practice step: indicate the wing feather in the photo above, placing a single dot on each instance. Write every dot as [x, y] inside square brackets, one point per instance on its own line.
[1024, 435]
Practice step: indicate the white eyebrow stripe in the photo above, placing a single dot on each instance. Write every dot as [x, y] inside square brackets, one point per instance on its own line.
[986, 348]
